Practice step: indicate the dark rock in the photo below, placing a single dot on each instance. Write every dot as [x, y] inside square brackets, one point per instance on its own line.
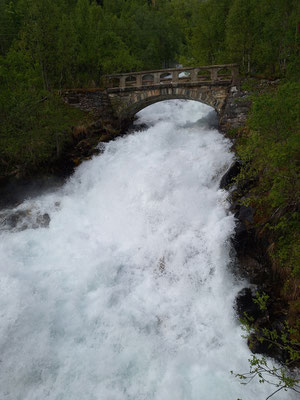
[85, 148]
[229, 176]
[73, 99]
[244, 240]
[256, 345]
[240, 238]
[107, 137]
[43, 220]
[271, 318]
[244, 304]
[23, 219]
[12, 220]
[14, 191]
[79, 133]
[137, 127]
[236, 110]
[251, 243]
[245, 214]
[97, 124]
[253, 270]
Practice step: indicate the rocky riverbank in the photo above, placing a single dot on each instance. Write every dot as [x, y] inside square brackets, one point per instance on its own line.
[83, 141]
[254, 243]
[251, 246]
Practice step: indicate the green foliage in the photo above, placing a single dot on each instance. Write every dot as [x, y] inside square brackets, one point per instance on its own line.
[75, 42]
[35, 124]
[266, 372]
[270, 153]
[41, 136]
[242, 31]
[261, 301]
[9, 25]
[47, 45]
[263, 369]
[206, 38]
[262, 36]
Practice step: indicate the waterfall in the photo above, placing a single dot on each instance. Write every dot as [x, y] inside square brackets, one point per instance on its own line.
[128, 293]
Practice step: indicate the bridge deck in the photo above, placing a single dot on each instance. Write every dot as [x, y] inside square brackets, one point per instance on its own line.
[151, 86]
[202, 75]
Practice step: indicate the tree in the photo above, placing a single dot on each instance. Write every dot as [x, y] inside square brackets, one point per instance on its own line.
[243, 29]
[39, 36]
[9, 25]
[206, 44]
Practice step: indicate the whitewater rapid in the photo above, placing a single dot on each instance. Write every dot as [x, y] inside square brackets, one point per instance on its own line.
[128, 294]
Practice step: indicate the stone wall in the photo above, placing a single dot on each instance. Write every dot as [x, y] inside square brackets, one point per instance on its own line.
[236, 109]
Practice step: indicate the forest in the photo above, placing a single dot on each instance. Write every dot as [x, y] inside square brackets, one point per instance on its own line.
[50, 45]
[72, 43]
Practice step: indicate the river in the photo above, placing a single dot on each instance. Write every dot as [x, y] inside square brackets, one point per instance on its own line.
[128, 293]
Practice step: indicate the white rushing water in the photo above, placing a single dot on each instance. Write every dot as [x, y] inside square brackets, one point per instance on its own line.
[127, 295]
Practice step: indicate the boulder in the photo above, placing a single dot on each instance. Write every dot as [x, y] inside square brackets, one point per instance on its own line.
[257, 346]
[229, 176]
[244, 304]
[23, 219]
[245, 214]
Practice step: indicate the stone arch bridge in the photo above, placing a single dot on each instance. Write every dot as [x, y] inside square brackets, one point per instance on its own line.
[126, 94]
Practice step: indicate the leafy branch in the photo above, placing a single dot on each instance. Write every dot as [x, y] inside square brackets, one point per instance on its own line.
[264, 370]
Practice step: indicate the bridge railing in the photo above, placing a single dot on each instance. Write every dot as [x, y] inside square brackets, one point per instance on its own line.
[209, 74]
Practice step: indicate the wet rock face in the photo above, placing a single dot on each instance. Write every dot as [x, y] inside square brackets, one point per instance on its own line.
[250, 243]
[228, 177]
[270, 318]
[249, 249]
[23, 219]
[245, 214]
[236, 109]
[253, 263]
[14, 191]
[244, 304]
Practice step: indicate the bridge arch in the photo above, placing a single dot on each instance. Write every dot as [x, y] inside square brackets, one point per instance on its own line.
[130, 111]
[128, 103]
